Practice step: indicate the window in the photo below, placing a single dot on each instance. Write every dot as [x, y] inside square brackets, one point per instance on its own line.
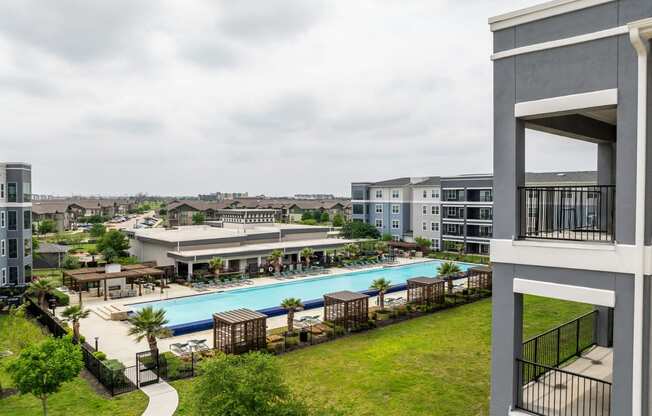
[425, 210]
[485, 213]
[28, 273]
[13, 275]
[3, 219]
[27, 247]
[27, 191]
[396, 194]
[434, 226]
[435, 244]
[2, 190]
[3, 248]
[396, 224]
[358, 194]
[13, 248]
[452, 212]
[12, 192]
[396, 238]
[434, 209]
[435, 193]
[379, 208]
[425, 194]
[425, 226]
[379, 223]
[485, 195]
[396, 209]
[358, 209]
[451, 229]
[27, 220]
[12, 219]
[379, 193]
[3, 277]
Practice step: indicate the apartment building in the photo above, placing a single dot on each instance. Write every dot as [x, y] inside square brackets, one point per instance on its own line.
[454, 212]
[15, 224]
[577, 69]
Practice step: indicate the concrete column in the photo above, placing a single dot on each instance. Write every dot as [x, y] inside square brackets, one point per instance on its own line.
[606, 164]
[604, 326]
[226, 264]
[507, 339]
[260, 261]
[190, 270]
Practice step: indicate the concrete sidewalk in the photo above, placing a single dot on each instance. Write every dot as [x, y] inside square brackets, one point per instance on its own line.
[163, 399]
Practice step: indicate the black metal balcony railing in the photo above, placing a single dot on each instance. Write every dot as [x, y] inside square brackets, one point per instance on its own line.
[561, 393]
[575, 213]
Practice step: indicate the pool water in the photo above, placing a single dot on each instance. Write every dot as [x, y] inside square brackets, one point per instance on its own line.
[202, 307]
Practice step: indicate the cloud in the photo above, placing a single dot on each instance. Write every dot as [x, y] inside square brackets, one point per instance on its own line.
[129, 125]
[30, 86]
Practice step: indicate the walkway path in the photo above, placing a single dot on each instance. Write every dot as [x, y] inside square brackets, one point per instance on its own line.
[163, 399]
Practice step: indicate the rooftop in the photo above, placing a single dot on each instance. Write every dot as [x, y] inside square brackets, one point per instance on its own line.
[539, 12]
[346, 296]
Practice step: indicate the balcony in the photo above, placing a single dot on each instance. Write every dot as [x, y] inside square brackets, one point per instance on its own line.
[572, 213]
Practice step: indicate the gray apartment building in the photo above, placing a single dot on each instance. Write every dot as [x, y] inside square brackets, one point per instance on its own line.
[453, 212]
[15, 224]
[578, 69]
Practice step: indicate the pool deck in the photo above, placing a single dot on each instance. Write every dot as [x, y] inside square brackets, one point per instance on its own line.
[114, 340]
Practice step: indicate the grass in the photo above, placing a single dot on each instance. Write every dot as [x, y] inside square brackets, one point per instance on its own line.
[76, 397]
[56, 275]
[434, 365]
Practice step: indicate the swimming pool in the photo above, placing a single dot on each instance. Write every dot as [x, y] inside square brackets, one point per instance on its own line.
[194, 313]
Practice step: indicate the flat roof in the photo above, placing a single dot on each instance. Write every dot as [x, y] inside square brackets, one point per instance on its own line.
[346, 296]
[206, 232]
[261, 248]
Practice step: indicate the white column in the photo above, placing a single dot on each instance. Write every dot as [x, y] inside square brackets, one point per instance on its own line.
[226, 264]
[260, 261]
[189, 270]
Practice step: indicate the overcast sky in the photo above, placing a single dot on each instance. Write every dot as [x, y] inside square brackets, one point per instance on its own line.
[275, 96]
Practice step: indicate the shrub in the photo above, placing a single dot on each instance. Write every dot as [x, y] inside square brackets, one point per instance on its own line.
[357, 229]
[324, 217]
[70, 262]
[309, 221]
[61, 298]
[291, 341]
[100, 355]
[47, 226]
[338, 220]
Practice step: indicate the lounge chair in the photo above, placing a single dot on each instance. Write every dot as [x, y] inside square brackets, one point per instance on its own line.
[198, 345]
[180, 348]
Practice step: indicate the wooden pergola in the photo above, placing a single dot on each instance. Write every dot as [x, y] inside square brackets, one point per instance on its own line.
[345, 308]
[239, 331]
[426, 290]
[79, 279]
[479, 277]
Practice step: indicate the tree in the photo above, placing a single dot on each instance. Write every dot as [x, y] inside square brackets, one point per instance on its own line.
[149, 323]
[381, 285]
[92, 251]
[387, 237]
[216, 264]
[162, 211]
[276, 257]
[70, 262]
[307, 215]
[351, 250]
[41, 369]
[198, 218]
[74, 314]
[41, 288]
[325, 217]
[316, 215]
[306, 253]
[291, 305]
[243, 385]
[381, 247]
[113, 244]
[47, 226]
[97, 230]
[423, 243]
[338, 220]
[447, 269]
[358, 229]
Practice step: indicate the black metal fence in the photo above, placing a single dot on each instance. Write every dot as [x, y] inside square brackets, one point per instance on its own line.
[560, 393]
[576, 213]
[558, 345]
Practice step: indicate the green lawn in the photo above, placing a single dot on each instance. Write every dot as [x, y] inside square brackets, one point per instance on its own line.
[434, 365]
[75, 398]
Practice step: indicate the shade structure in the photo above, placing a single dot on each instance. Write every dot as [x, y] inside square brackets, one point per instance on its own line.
[347, 309]
[479, 277]
[426, 290]
[239, 331]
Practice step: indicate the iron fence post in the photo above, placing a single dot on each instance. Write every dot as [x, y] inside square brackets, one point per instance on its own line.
[577, 338]
[558, 345]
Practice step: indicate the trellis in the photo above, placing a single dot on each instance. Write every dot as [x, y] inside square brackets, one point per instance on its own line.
[426, 291]
[239, 331]
[479, 278]
[347, 309]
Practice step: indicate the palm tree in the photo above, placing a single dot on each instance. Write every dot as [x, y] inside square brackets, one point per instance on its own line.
[149, 323]
[74, 314]
[330, 255]
[381, 285]
[92, 251]
[381, 247]
[216, 264]
[291, 305]
[41, 288]
[276, 257]
[448, 269]
[307, 253]
[351, 249]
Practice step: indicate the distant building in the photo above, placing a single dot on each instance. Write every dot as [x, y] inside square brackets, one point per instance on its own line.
[66, 213]
[15, 224]
[314, 196]
[221, 196]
